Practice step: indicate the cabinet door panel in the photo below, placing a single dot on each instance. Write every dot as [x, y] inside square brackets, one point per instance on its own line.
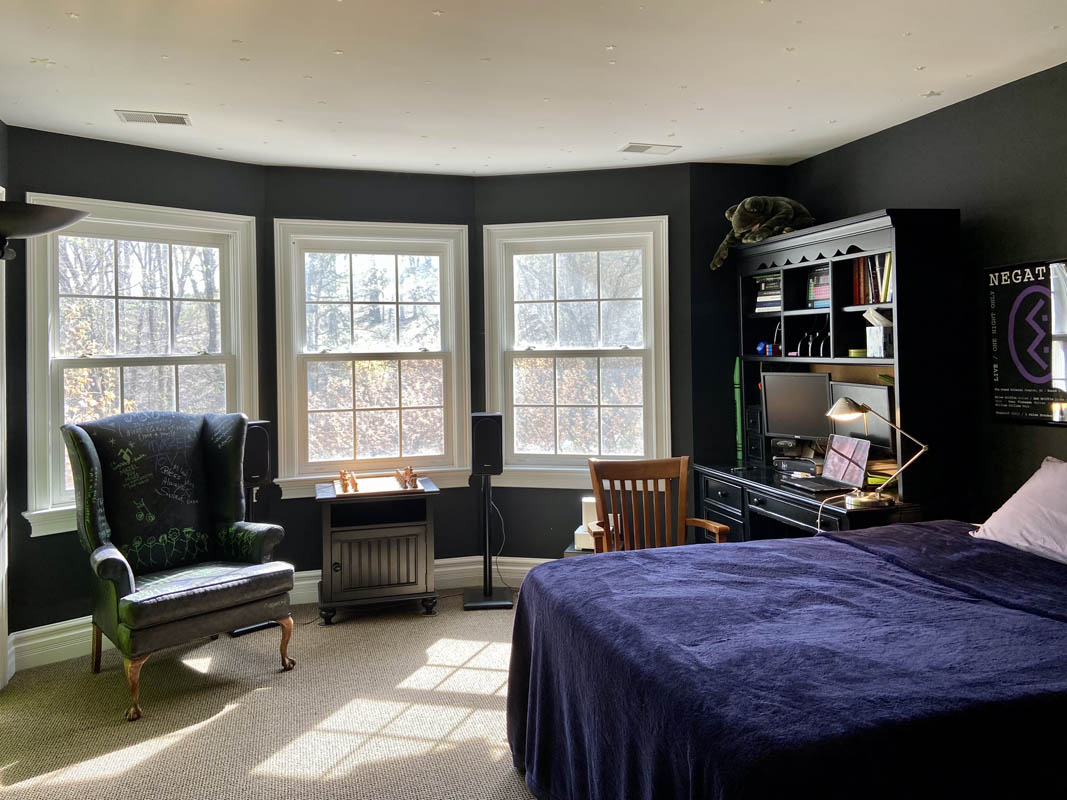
[378, 563]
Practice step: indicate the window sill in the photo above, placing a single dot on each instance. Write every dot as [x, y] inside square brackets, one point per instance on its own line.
[61, 519]
[304, 486]
[540, 477]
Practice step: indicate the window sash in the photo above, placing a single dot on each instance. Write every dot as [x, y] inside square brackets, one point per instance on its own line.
[511, 351]
[357, 246]
[224, 301]
[58, 365]
[309, 467]
[563, 459]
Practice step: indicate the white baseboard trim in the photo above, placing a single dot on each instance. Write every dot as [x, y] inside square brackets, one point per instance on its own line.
[71, 638]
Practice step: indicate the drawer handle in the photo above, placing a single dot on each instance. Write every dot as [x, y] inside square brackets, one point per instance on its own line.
[336, 566]
[756, 501]
[721, 493]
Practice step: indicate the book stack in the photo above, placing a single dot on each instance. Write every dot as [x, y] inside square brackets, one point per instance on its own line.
[769, 295]
[872, 279]
[819, 287]
[879, 470]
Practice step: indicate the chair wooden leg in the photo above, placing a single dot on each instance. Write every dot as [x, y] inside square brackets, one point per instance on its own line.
[133, 676]
[95, 659]
[286, 624]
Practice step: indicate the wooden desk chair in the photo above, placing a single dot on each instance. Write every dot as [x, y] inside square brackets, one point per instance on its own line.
[633, 504]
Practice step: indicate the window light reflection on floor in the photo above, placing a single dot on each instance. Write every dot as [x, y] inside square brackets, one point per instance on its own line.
[116, 762]
[201, 665]
[366, 731]
[463, 665]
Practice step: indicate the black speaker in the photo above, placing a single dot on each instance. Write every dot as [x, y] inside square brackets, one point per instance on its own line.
[257, 454]
[487, 443]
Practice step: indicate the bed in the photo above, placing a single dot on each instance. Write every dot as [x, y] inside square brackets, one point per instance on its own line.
[905, 661]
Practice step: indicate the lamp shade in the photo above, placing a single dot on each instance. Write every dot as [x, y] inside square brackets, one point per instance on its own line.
[20, 220]
[846, 408]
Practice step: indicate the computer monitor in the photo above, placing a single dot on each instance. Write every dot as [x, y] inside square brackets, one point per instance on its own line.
[795, 404]
[880, 399]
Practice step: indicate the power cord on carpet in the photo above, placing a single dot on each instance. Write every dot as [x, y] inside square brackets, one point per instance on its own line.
[503, 540]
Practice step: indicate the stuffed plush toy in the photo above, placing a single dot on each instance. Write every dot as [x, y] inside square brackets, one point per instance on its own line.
[756, 218]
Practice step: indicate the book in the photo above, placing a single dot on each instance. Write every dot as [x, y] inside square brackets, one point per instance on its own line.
[887, 279]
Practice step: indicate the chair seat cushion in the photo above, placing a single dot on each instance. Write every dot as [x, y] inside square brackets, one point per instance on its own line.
[182, 592]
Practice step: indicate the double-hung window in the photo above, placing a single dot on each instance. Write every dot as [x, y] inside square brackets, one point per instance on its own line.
[576, 345]
[135, 308]
[372, 350]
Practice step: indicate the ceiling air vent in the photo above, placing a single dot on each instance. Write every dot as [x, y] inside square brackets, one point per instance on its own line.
[650, 149]
[153, 117]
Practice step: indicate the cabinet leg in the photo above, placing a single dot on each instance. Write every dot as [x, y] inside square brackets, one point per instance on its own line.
[327, 615]
[429, 604]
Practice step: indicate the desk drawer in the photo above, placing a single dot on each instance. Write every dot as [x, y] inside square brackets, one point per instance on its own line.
[722, 493]
[713, 514]
[792, 514]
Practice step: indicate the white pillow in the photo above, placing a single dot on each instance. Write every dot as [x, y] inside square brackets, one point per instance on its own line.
[1035, 518]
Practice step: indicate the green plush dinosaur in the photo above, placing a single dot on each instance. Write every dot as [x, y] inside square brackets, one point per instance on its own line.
[757, 218]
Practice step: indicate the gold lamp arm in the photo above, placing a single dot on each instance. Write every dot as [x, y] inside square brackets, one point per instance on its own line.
[922, 449]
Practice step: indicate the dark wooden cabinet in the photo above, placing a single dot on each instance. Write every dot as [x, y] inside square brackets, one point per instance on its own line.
[376, 548]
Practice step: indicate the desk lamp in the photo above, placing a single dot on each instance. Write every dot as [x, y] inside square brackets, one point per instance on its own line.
[847, 409]
[22, 220]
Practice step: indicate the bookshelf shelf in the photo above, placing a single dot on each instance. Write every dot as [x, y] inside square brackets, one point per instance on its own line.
[803, 312]
[864, 307]
[814, 360]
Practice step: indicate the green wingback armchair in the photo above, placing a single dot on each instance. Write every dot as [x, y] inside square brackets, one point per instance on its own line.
[160, 502]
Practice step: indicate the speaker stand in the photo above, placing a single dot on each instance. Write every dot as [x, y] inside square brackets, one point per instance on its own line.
[487, 597]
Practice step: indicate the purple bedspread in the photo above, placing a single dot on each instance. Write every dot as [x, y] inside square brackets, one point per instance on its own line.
[906, 661]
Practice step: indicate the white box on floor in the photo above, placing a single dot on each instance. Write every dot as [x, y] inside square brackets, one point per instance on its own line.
[583, 540]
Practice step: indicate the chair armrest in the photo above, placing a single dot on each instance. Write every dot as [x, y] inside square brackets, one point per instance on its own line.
[598, 532]
[253, 542]
[109, 564]
[717, 528]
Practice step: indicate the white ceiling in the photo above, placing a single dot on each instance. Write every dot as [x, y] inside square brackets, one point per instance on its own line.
[503, 86]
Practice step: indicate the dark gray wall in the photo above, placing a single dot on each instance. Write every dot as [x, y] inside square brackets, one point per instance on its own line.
[713, 305]
[1000, 158]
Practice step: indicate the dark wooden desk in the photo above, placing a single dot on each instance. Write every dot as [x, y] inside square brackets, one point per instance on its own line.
[755, 504]
[376, 548]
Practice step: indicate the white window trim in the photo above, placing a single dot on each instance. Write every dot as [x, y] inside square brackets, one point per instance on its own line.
[497, 240]
[289, 234]
[45, 516]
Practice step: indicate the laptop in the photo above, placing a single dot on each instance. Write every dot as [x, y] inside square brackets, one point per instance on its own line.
[844, 467]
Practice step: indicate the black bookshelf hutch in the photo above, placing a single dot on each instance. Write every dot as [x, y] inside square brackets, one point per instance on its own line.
[927, 306]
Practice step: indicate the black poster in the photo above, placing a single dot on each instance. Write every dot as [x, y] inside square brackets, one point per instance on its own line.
[1028, 341]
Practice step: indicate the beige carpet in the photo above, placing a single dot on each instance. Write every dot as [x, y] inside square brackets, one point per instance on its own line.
[388, 704]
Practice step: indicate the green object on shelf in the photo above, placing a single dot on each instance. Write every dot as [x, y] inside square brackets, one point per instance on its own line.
[857, 352]
[737, 405]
